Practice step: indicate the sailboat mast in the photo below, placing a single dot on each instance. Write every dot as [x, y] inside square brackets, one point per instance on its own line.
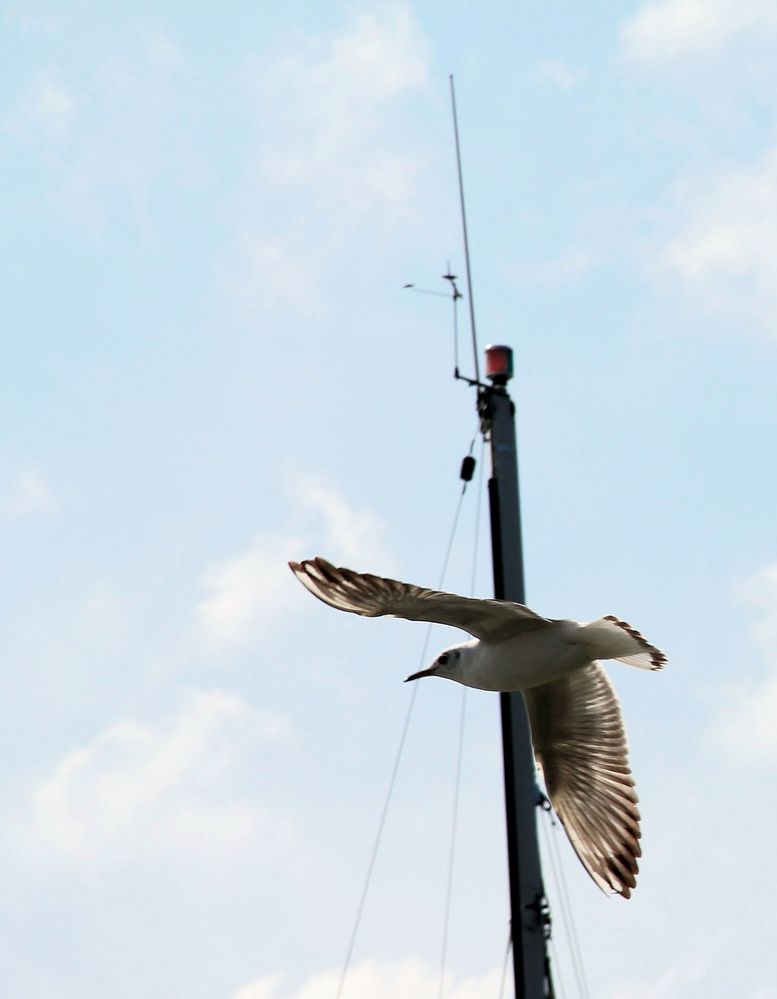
[530, 919]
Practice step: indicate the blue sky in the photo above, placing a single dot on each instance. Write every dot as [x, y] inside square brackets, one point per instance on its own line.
[210, 366]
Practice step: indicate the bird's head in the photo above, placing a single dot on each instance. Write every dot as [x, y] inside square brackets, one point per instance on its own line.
[448, 663]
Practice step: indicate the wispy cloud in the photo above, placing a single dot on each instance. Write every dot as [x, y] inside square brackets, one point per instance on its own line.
[559, 74]
[746, 730]
[333, 95]
[27, 492]
[567, 266]
[322, 151]
[378, 980]
[248, 591]
[47, 110]
[353, 533]
[666, 985]
[333, 156]
[108, 144]
[275, 269]
[23, 16]
[725, 248]
[140, 788]
[675, 29]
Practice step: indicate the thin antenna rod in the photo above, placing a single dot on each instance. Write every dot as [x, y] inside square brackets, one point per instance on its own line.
[464, 228]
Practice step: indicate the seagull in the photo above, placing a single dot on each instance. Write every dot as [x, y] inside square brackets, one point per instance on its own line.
[577, 729]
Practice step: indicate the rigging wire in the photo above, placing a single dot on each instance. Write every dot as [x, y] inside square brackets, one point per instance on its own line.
[460, 741]
[559, 978]
[478, 514]
[506, 961]
[452, 848]
[464, 232]
[567, 916]
[376, 844]
[397, 761]
[558, 982]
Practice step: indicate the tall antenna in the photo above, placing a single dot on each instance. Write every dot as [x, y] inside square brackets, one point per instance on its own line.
[466, 238]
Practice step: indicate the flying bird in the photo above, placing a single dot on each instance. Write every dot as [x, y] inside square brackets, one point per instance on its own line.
[575, 718]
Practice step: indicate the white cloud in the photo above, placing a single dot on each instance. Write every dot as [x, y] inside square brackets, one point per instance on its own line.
[53, 106]
[248, 591]
[333, 154]
[561, 269]
[559, 74]
[667, 985]
[405, 979]
[21, 16]
[28, 492]
[122, 133]
[164, 52]
[354, 534]
[680, 28]
[45, 111]
[725, 251]
[275, 270]
[140, 788]
[760, 592]
[332, 95]
[746, 728]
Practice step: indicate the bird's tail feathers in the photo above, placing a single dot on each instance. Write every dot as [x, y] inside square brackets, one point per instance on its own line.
[611, 638]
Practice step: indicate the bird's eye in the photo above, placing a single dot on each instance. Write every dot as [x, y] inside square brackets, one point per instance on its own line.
[443, 659]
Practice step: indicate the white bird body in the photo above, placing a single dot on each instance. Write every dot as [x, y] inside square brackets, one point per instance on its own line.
[519, 663]
[576, 725]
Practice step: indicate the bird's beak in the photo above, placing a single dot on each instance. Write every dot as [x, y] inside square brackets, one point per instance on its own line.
[424, 672]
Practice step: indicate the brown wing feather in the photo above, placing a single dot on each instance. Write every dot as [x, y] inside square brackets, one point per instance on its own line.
[375, 596]
[580, 744]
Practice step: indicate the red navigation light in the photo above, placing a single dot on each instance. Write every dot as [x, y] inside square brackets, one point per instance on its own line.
[499, 364]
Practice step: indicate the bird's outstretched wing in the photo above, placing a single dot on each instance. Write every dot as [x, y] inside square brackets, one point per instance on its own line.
[580, 743]
[374, 596]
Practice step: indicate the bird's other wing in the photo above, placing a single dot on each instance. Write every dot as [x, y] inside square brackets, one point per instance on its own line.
[375, 596]
[580, 743]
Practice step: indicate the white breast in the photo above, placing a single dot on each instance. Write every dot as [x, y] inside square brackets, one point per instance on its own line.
[527, 660]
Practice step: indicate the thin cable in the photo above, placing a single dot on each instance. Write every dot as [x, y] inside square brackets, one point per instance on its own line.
[559, 980]
[478, 512]
[567, 916]
[452, 850]
[427, 291]
[453, 533]
[376, 845]
[506, 961]
[564, 913]
[394, 771]
[464, 230]
[460, 746]
[558, 984]
[455, 334]
[574, 940]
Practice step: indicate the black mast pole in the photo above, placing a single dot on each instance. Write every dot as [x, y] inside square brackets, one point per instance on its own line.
[530, 922]
[530, 917]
